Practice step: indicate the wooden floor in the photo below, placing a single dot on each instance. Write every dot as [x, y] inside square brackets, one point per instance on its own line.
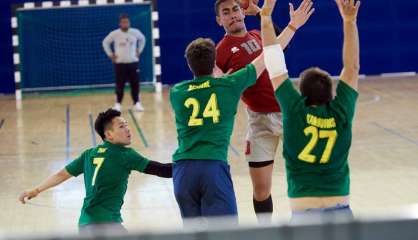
[35, 142]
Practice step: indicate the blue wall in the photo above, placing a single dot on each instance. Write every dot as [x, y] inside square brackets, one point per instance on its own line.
[67, 34]
[388, 29]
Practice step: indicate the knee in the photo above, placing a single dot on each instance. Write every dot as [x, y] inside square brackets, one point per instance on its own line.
[261, 191]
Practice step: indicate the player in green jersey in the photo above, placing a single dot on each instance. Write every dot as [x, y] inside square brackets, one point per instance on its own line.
[106, 169]
[238, 48]
[317, 127]
[205, 109]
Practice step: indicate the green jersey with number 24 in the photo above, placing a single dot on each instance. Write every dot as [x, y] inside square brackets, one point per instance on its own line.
[205, 109]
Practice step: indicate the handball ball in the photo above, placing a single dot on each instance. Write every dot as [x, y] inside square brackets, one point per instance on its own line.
[245, 3]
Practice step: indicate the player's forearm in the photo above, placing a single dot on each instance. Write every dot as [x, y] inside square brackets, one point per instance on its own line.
[273, 53]
[277, 29]
[267, 31]
[259, 65]
[285, 37]
[164, 170]
[141, 42]
[141, 45]
[107, 49]
[351, 54]
[106, 46]
[53, 180]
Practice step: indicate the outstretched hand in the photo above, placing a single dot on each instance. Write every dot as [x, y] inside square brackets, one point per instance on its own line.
[28, 195]
[348, 9]
[299, 17]
[252, 9]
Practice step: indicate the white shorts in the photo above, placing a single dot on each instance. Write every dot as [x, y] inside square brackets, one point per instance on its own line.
[263, 137]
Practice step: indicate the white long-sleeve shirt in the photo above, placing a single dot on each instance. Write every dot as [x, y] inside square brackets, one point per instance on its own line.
[125, 45]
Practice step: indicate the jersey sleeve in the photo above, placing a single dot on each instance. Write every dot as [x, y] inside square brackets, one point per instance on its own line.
[346, 99]
[141, 41]
[287, 96]
[107, 41]
[135, 161]
[243, 78]
[76, 167]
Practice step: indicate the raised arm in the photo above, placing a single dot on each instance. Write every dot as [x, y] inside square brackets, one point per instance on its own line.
[351, 50]
[273, 57]
[273, 53]
[254, 10]
[298, 18]
[50, 182]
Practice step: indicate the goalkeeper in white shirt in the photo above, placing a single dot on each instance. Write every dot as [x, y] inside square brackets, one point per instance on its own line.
[128, 44]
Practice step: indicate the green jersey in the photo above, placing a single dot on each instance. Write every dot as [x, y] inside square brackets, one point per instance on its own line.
[205, 108]
[106, 170]
[316, 142]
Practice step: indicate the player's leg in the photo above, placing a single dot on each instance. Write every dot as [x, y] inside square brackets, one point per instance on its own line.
[120, 76]
[262, 141]
[218, 196]
[133, 77]
[261, 178]
[186, 188]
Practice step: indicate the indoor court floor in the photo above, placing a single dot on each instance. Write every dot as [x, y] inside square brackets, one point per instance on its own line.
[48, 132]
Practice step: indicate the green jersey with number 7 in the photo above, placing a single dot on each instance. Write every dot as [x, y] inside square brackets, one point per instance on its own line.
[106, 170]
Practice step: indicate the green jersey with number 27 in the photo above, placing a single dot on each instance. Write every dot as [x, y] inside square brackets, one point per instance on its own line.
[205, 109]
[317, 141]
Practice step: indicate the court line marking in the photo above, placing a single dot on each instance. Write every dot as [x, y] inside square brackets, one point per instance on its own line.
[41, 205]
[396, 133]
[93, 134]
[58, 207]
[2, 122]
[57, 152]
[376, 98]
[234, 150]
[67, 139]
[381, 93]
[138, 129]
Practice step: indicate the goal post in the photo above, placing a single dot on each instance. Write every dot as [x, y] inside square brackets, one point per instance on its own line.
[58, 45]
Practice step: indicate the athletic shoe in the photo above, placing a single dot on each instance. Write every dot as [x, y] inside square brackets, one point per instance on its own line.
[138, 107]
[117, 107]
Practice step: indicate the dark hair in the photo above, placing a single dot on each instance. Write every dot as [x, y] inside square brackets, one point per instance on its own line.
[200, 55]
[219, 2]
[316, 86]
[123, 16]
[104, 121]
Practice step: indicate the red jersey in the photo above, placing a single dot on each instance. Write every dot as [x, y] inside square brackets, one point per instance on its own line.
[235, 53]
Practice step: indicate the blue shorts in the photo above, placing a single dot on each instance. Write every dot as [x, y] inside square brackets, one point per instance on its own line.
[331, 214]
[204, 188]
